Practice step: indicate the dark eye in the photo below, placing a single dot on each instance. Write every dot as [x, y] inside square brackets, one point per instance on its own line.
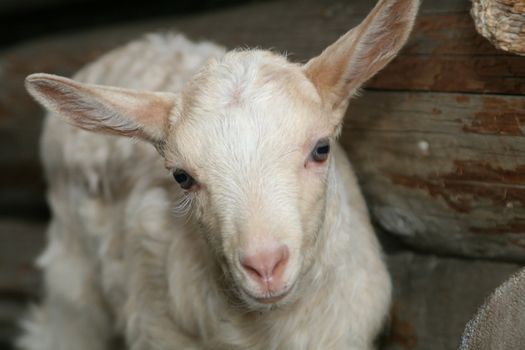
[185, 181]
[321, 150]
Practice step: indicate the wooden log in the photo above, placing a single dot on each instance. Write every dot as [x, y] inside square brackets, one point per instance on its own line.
[446, 172]
[502, 22]
[446, 54]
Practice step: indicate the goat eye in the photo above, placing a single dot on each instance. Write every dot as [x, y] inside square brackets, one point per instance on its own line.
[183, 179]
[321, 150]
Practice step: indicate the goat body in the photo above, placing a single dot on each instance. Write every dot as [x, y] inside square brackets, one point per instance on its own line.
[134, 256]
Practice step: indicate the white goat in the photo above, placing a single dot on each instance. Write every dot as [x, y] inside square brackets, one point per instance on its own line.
[272, 247]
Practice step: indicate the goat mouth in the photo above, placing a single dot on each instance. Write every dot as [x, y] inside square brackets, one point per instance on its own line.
[268, 299]
[271, 299]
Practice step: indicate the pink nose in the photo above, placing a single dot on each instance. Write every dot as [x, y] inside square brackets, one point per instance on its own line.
[266, 266]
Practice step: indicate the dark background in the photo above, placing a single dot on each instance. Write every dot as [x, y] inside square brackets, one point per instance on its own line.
[25, 19]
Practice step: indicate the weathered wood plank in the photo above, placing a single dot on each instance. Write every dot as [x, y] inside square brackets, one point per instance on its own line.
[445, 53]
[446, 172]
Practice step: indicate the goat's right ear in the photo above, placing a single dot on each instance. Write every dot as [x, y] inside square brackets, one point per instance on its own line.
[359, 54]
[105, 109]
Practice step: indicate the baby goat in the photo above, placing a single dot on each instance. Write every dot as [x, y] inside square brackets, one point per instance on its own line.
[270, 246]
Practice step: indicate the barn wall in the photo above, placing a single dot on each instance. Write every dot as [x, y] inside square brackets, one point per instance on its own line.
[438, 141]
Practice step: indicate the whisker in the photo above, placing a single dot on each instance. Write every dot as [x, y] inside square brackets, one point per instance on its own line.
[183, 205]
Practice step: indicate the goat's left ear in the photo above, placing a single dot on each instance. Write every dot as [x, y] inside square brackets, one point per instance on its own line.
[345, 65]
[105, 109]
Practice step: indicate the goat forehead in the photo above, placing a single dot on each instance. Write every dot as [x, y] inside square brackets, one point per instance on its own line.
[244, 77]
[248, 111]
[243, 141]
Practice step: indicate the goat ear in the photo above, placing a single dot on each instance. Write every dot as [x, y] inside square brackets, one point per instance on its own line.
[104, 109]
[346, 64]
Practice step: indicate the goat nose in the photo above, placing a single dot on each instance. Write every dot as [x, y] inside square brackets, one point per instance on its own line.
[266, 266]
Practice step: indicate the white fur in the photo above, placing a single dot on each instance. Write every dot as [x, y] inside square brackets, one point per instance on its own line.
[121, 263]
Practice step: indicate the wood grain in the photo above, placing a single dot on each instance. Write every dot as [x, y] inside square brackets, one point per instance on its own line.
[446, 172]
[445, 53]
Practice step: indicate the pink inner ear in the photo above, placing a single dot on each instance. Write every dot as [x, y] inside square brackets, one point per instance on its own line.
[105, 109]
[144, 114]
[326, 71]
[145, 108]
[359, 54]
[81, 110]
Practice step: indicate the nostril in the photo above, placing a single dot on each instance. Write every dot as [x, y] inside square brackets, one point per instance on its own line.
[252, 271]
[253, 267]
[267, 264]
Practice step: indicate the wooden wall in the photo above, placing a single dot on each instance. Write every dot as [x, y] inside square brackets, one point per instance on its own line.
[438, 141]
